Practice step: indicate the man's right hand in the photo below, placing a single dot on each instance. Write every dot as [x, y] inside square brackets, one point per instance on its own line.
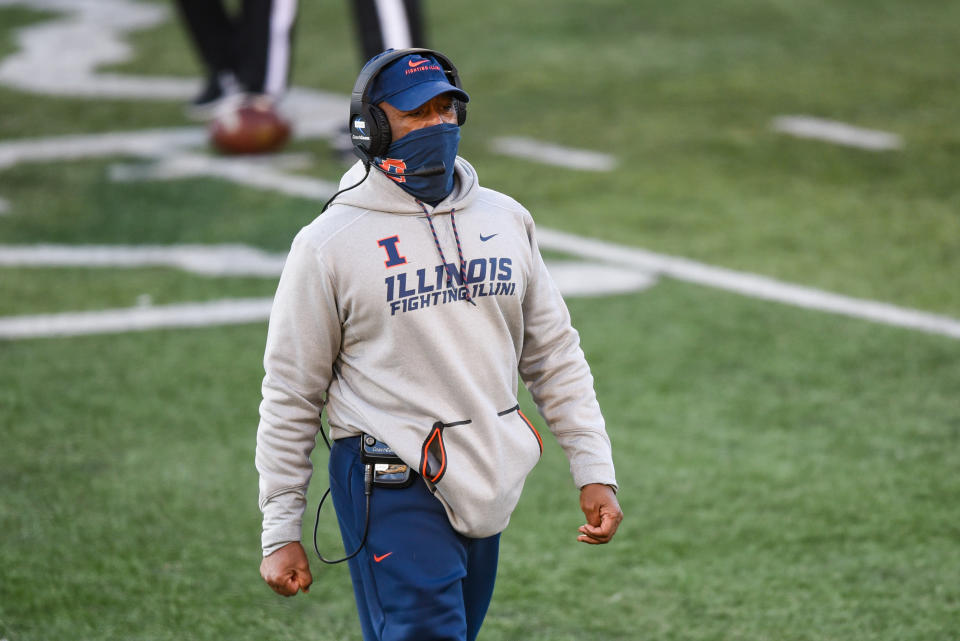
[286, 570]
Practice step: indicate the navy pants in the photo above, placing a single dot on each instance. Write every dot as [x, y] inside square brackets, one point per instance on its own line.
[416, 579]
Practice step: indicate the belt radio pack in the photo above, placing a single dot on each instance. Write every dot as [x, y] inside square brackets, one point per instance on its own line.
[389, 470]
[381, 468]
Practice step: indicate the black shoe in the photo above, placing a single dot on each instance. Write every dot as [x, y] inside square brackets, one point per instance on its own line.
[219, 87]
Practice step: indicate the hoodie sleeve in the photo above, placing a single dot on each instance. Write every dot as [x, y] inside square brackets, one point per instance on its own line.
[303, 341]
[554, 369]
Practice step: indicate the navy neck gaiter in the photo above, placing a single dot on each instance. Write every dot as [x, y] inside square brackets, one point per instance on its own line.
[422, 148]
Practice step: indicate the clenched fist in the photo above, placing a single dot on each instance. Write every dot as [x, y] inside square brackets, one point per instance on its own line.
[286, 570]
[600, 506]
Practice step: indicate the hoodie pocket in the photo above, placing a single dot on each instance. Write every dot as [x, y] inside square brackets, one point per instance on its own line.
[433, 452]
[478, 472]
[526, 422]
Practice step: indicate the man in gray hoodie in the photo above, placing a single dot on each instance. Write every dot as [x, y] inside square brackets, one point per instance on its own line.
[410, 309]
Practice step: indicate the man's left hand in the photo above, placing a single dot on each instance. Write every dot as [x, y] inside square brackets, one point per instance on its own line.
[600, 506]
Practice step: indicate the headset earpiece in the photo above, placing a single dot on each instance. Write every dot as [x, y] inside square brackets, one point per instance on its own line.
[369, 126]
[380, 134]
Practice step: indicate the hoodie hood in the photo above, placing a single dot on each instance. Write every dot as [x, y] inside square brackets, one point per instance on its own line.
[380, 193]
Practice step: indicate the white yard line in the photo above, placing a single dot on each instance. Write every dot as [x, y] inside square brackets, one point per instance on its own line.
[838, 133]
[748, 284]
[207, 260]
[146, 143]
[246, 171]
[166, 148]
[579, 279]
[209, 314]
[556, 155]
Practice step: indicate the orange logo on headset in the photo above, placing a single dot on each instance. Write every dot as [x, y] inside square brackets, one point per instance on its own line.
[398, 167]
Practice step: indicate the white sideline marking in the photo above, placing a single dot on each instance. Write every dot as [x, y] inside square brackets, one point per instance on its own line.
[585, 279]
[240, 170]
[164, 147]
[175, 167]
[4, 210]
[836, 132]
[553, 154]
[207, 260]
[748, 284]
[147, 143]
[131, 319]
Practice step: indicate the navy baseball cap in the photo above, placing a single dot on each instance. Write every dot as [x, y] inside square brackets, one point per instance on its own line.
[411, 81]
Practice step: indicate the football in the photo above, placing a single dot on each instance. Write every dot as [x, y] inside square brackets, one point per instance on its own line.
[254, 127]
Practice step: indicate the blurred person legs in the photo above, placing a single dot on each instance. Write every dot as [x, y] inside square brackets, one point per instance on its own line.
[244, 54]
[388, 24]
[381, 25]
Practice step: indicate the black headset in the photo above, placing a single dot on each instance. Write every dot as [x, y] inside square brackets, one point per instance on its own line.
[369, 126]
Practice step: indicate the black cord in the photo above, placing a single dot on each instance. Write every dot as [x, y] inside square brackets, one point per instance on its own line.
[325, 440]
[367, 491]
[327, 204]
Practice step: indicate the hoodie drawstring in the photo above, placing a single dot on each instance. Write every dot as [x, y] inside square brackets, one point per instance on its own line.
[463, 263]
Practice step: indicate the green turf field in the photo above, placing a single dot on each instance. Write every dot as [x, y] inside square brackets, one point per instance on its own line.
[786, 474]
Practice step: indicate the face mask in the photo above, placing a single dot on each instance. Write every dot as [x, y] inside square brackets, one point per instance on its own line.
[420, 149]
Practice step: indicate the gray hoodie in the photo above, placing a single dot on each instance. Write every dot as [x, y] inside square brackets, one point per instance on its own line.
[364, 322]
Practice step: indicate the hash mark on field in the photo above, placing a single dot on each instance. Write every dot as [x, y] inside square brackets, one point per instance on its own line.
[207, 260]
[549, 154]
[257, 172]
[836, 132]
[131, 319]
